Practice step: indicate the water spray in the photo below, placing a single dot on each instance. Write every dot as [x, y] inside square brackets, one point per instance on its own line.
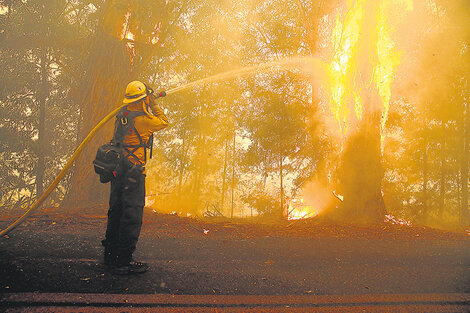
[264, 67]
[270, 66]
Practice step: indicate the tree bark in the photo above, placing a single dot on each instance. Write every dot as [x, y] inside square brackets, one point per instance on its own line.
[233, 174]
[281, 186]
[100, 90]
[182, 167]
[224, 175]
[464, 212]
[201, 169]
[424, 208]
[360, 175]
[442, 178]
[42, 141]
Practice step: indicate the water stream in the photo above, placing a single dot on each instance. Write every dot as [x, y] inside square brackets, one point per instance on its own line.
[310, 66]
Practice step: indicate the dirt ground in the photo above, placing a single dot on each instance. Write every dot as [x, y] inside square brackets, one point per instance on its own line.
[58, 251]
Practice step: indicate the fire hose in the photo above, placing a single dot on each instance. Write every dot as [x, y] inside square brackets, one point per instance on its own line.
[67, 166]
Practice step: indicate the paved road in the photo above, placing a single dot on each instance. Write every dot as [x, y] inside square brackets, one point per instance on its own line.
[70, 263]
[231, 274]
[34, 302]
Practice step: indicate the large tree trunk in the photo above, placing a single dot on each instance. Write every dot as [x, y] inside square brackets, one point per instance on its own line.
[100, 90]
[359, 175]
[360, 171]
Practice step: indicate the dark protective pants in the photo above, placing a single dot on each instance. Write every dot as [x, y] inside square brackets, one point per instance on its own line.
[126, 206]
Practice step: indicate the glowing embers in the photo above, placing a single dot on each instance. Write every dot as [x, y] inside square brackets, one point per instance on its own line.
[396, 221]
[299, 210]
[128, 37]
[338, 196]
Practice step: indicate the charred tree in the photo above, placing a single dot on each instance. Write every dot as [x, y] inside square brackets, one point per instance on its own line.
[360, 174]
[361, 100]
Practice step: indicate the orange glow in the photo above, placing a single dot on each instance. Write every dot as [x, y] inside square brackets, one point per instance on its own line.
[125, 25]
[130, 36]
[298, 210]
[364, 59]
[130, 46]
[397, 221]
[154, 40]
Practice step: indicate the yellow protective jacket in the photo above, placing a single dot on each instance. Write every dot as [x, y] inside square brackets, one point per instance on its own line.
[145, 126]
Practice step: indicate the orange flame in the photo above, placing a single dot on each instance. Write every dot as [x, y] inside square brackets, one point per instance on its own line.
[299, 210]
[125, 25]
[128, 36]
[358, 58]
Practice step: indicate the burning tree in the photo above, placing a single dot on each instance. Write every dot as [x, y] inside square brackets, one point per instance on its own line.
[126, 37]
[361, 74]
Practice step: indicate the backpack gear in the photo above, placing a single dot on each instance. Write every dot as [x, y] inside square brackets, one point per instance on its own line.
[110, 161]
[135, 91]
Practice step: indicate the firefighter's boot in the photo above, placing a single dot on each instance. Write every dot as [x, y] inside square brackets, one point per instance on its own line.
[127, 266]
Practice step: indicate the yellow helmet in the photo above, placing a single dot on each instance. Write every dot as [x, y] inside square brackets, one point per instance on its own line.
[135, 91]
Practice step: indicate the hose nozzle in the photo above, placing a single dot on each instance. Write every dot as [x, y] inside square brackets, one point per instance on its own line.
[155, 96]
[161, 94]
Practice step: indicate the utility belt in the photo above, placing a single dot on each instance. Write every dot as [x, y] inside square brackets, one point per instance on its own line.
[133, 176]
[110, 164]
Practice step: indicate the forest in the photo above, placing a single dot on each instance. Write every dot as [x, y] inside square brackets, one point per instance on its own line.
[352, 110]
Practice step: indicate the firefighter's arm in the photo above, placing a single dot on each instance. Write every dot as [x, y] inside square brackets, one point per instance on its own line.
[159, 120]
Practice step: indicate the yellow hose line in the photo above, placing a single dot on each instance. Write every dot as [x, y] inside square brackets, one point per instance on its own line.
[62, 172]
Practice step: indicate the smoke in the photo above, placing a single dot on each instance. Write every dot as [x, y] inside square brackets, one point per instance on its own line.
[317, 195]
[429, 87]
[430, 99]
[431, 42]
[435, 44]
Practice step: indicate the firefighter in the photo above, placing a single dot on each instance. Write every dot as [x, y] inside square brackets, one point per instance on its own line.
[127, 198]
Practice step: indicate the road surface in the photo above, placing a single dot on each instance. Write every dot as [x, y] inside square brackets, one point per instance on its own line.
[46, 260]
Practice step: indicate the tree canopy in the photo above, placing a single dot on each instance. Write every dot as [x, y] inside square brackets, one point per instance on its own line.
[261, 137]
